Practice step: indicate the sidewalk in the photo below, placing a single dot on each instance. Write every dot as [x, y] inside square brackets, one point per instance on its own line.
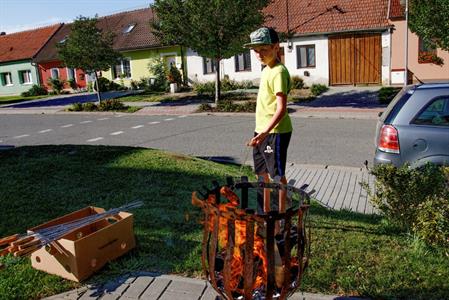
[150, 286]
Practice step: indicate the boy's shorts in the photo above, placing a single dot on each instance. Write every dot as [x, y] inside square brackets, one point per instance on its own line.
[270, 156]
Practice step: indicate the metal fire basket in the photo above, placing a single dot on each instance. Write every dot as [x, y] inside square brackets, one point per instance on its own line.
[250, 254]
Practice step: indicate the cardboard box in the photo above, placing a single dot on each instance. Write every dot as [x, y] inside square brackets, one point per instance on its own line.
[84, 251]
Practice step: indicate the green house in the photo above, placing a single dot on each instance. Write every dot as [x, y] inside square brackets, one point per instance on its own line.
[17, 72]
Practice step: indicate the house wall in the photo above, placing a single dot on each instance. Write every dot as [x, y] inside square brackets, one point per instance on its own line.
[317, 74]
[45, 74]
[140, 59]
[424, 71]
[14, 67]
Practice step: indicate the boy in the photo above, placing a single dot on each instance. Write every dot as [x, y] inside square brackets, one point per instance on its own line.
[273, 125]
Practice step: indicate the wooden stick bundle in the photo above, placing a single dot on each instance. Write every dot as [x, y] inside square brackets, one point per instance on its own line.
[21, 245]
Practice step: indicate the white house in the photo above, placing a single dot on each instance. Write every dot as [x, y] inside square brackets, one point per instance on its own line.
[336, 42]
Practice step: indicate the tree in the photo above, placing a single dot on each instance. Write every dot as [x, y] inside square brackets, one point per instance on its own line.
[88, 48]
[429, 19]
[215, 29]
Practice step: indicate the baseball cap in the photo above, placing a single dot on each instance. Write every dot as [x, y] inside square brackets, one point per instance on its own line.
[262, 36]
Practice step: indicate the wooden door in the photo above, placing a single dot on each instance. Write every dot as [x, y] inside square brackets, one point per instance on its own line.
[355, 59]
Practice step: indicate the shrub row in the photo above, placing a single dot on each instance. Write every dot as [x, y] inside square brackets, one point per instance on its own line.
[229, 106]
[106, 105]
[416, 200]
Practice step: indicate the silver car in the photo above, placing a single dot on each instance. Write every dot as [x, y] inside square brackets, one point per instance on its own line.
[414, 128]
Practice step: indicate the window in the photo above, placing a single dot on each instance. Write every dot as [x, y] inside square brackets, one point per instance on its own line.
[55, 73]
[129, 28]
[243, 61]
[71, 74]
[122, 69]
[209, 65]
[436, 113]
[64, 39]
[6, 78]
[305, 56]
[427, 52]
[25, 77]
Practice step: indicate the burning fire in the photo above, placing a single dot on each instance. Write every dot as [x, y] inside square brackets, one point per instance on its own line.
[237, 262]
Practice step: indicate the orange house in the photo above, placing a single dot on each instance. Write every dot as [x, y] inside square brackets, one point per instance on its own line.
[422, 62]
[50, 66]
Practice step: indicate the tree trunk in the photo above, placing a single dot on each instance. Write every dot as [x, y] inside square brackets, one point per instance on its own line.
[98, 88]
[184, 75]
[217, 81]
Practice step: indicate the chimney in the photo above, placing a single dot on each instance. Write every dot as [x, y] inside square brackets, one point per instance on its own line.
[2, 33]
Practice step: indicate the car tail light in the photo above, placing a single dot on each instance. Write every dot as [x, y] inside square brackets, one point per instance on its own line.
[388, 139]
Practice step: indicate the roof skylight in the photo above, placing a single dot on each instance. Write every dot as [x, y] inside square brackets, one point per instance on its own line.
[129, 28]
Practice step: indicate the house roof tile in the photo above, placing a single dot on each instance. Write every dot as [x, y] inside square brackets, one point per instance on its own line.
[396, 9]
[326, 16]
[49, 52]
[25, 44]
[139, 37]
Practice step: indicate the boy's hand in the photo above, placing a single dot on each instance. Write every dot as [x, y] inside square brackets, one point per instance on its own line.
[257, 139]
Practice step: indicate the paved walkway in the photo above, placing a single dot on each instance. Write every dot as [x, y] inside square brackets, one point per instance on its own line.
[150, 286]
[335, 187]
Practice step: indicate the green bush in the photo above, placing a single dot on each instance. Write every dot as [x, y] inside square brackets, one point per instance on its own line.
[173, 75]
[204, 88]
[208, 87]
[89, 106]
[229, 106]
[112, 104]
[416, 200]
[107, 85]
[72, 83]
[56, 85]
[318, 89]
[205, 107]
[158, 69]
[76, 107]
[297, 82]
[386, 94]
[35, 90]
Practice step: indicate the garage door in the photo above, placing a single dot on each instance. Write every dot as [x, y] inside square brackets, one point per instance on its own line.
[355, 59]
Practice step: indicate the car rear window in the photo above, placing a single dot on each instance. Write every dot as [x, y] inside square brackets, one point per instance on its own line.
[395, 105]
[436, 113]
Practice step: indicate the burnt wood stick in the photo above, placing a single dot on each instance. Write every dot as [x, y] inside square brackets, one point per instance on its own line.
[270, 257]
[300, 250]
[286, 259]
[244, 194]
[248, 279]
[227, 272]
[206, 237]
[213, 244]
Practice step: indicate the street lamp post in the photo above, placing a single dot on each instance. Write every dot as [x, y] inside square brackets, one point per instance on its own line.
[406, 43]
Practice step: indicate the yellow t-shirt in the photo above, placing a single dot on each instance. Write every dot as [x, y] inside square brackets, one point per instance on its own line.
[272, 81]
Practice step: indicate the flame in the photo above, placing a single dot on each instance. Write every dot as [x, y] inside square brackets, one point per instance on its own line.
[237, 261]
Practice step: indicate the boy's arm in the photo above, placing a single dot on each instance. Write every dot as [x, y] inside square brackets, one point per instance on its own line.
[281, 109]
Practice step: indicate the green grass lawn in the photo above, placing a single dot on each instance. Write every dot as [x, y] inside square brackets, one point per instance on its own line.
[351, 253]
[15, 99]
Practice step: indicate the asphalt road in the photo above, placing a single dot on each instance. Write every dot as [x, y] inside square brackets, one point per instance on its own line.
[339, 142]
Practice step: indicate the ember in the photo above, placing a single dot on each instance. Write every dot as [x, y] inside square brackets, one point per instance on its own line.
[243, 255]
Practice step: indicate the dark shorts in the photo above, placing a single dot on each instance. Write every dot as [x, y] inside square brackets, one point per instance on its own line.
[270, 156]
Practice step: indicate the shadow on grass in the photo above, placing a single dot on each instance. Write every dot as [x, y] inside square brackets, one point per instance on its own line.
[43, 182]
